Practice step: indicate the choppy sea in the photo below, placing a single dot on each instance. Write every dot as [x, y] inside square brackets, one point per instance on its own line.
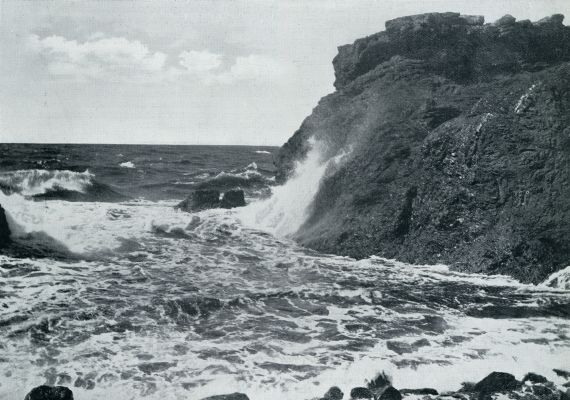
[113, 292]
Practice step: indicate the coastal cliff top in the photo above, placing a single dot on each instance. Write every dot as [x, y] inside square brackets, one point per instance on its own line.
[460, 47]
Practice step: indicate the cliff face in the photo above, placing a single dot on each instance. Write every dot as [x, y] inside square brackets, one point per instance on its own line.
[460, 146]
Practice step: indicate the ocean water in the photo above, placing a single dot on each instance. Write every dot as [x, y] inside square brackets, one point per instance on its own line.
[113, 292]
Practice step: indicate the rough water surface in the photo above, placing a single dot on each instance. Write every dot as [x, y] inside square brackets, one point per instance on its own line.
[151, 302]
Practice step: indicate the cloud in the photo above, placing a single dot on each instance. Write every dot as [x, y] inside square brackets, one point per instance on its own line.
[253, 68]
[200, 61]
[99, 58]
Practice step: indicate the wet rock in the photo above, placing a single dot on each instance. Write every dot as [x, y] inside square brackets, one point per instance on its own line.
[200, 200]
[562, 373]
[361, 393]
[233, 396]
[232, 199]
[422, 391]
[50, 393]
[390, 393]
[334, 393]
[497, 382]
[457, 131]
[4, 229]
[534, 378]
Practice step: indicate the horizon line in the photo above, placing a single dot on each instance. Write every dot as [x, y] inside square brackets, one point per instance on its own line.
[143, 144]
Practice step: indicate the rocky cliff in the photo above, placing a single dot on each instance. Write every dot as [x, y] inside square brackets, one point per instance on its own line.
[459, 140]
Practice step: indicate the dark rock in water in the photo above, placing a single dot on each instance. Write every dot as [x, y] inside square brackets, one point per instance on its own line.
[233, 396]
[562, 373]
[361, 393]
[50, 393]
[422, 391]
[4, 229]
[200, 200]
[206, 199]
[381, 381]
[390, 393]
[534, 378]
[497, 382]
[334, 393]
[232, 199]
[458, 133]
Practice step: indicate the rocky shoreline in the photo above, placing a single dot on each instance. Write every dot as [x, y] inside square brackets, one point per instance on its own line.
[456, 140]
[497, 385]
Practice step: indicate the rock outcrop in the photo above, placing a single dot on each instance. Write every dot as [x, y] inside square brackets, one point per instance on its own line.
[206, 199]
[458, 142]
[4, 229]
[45, 392]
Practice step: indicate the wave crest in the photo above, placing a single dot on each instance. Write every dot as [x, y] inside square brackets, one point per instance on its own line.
[32, 182]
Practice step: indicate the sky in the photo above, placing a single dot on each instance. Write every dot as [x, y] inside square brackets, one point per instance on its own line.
[187, 72]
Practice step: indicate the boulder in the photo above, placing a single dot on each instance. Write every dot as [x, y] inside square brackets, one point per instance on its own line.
[497, 382]
[232, 199]
[389, 393]
[534, 378]
[4, 229]
[200, 200]
[45, 392]
[334, 393]
[361, 393]
[232, 396]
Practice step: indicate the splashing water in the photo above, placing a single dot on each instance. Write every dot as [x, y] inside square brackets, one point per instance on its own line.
[38, 181]
[285, 211]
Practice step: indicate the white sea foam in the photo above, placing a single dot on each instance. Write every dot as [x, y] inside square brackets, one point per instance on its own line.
[31, 182]
[559, 279]
[262, 152]
[127, 164]
[287, 208]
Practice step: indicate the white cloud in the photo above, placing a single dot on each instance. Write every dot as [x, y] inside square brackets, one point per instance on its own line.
[253, 68]
[200, 61]
[105, 58]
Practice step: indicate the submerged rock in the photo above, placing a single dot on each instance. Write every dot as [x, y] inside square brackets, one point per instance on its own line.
[4, 229]
[534, 378]
[50, 393]
[207, 199]
[459, 151]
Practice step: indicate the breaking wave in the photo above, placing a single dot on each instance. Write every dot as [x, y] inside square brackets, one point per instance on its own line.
[57, 185]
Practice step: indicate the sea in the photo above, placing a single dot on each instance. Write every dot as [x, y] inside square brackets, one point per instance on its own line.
[112, 291]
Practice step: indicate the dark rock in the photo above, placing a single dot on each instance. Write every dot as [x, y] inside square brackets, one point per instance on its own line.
[505, 20]
[232, 199]
[200, 200]
[534, 378]
[390, 393]
[334, 393]
[50, 393]
[361, 393]
[4, 229]
[540, 390]
[562, 373]
[422, 391]
[459, 147]
[233, 396]
[497, 382]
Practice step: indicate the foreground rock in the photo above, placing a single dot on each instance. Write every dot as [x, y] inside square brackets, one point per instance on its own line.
[233, 396]
[50, 393]
[207, 199]
[4, 229]
[460, 150]
[495, 385]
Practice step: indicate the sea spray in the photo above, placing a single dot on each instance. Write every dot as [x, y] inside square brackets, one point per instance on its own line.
[286, 209]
